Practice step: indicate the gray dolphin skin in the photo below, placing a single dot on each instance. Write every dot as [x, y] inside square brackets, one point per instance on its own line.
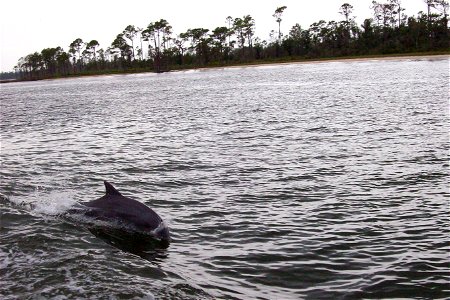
[115, 207]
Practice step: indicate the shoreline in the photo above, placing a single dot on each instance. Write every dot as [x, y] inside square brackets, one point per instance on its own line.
[325, 60]
[406, 56]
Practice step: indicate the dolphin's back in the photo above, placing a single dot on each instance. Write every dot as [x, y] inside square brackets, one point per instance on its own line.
[115, 207]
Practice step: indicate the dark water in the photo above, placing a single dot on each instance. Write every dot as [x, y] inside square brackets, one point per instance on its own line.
[312, 181]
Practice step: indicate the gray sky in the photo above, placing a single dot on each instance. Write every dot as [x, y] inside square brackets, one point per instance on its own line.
[31, 25]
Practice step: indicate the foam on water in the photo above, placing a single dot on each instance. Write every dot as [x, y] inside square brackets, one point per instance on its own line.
[47, 203]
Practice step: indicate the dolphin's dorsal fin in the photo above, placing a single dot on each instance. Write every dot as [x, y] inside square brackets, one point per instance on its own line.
[110, 190]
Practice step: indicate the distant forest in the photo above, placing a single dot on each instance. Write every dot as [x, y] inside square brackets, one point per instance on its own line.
[156, 48]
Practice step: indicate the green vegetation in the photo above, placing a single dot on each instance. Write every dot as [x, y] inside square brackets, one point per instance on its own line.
[156, 48]
[6, 76]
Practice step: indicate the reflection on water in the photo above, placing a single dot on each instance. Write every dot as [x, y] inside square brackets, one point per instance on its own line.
[297, 181]
[132, 242]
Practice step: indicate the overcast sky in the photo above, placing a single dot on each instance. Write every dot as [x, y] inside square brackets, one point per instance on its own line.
[31, 25]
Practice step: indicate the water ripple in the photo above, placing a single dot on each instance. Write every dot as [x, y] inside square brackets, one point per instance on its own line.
[312, 181]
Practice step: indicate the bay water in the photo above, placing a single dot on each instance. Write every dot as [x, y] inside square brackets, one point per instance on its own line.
[296, 181]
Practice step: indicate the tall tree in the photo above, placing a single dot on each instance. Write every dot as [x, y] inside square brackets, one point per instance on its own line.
[229, 21]
[180, 43]
[49, 56]
[101, 55]
[277, 15]
[219, 37]
[130, 33]
[167, 37]
[91, 48]
[139, 32]
[159, 32]
[296, 37]
[76, 46]
[398, 10]
[430, 4]
[244, 29]
[35, 63]
[121, 44]
[384, 13]
[200, 43]
[238, 29]
[249, 29]
[443, 6]
[346, 10]
[63, 60]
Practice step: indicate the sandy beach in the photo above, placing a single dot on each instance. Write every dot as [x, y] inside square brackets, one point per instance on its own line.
[350, 59]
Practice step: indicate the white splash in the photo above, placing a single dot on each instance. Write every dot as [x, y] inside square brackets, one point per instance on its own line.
[50, 203]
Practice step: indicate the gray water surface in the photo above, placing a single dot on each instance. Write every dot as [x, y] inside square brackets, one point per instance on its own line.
[315, 181]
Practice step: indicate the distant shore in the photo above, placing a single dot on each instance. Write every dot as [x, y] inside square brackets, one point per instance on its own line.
[402, 56]
[333, 59]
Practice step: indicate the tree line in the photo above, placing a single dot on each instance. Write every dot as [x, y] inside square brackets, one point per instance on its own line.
[156, 47]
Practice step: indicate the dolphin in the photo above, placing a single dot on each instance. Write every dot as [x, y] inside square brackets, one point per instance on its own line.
[129, 216]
